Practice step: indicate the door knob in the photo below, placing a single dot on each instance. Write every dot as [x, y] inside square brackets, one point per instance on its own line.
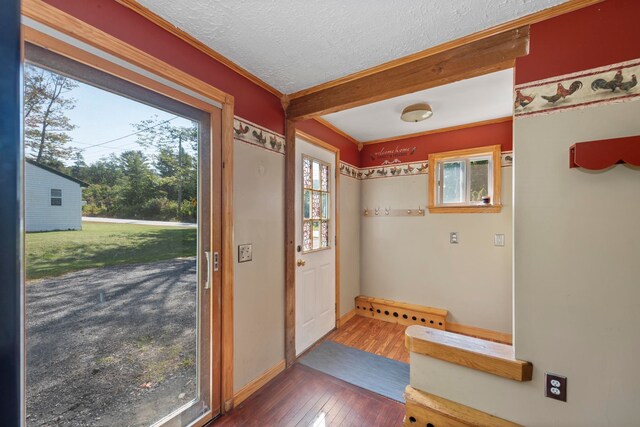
[301, 263]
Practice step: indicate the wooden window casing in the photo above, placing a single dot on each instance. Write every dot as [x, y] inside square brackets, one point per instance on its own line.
[493, 153]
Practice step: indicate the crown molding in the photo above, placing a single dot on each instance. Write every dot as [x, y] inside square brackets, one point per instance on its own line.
[336, 130]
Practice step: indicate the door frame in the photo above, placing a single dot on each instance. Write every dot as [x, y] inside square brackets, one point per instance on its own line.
[290, 233]
[221, 319]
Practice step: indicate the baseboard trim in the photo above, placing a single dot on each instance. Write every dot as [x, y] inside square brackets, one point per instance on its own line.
[344, 319]
[245, 392]
[485, 334]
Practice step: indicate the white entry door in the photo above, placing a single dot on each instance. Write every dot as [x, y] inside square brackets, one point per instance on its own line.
[315, 243]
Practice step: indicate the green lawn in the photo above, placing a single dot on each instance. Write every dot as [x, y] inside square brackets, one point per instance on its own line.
[102, 244]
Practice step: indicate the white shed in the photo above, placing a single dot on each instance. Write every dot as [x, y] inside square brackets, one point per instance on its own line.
[53, 200]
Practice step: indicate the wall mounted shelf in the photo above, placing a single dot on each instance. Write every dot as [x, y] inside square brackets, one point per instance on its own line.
[604, 153]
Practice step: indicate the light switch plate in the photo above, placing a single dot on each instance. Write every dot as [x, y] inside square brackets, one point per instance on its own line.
[453, 238]
[245, 253]
[555, 386]
[498, 240]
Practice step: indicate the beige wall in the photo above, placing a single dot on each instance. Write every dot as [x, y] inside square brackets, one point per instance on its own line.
[259, 284]
[410, 259]
[577, 281]
[350, 214]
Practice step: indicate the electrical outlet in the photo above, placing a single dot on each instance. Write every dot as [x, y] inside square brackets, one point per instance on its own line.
[498, 240]
[555, 386]
[244, 253]
[453, 238]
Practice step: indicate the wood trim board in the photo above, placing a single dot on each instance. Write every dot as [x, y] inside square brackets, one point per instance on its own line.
[289, 243]
[424, 409]
[552, 12]
[486, 356]
[484, 56]
[189, 39]
[222, 301]
[245, 392]
[344, 319]
[58, 20]
[227, 260]
[291, 133]
[485, 334]
[339, 131]
[496, 202]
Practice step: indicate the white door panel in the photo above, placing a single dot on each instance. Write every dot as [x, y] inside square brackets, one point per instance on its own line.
[315, 280]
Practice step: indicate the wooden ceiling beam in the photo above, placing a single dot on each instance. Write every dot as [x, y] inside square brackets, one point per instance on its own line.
[473, 59]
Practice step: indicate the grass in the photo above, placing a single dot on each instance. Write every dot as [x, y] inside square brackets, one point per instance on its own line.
[54, 253]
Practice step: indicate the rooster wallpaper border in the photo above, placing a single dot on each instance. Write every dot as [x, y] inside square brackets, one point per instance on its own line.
[609, 84]
[401, 169]
[251, 133]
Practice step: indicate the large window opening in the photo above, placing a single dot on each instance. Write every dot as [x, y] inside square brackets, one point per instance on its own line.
[118, 320]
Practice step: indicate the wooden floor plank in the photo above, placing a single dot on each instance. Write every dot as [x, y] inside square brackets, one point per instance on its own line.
[301, 396]
[375, 336]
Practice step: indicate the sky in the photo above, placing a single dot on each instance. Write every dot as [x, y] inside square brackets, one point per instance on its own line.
[102, 116]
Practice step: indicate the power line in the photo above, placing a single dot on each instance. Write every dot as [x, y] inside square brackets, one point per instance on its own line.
[127, 136]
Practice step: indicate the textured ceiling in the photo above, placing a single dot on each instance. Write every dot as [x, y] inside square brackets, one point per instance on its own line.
[293, 45]
[467, 101]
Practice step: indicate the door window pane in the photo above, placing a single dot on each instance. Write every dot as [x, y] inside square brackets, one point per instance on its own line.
[325, 205]
[325, 234]
[316, 235]
[316, 175]
[306, 204]
[315, 204]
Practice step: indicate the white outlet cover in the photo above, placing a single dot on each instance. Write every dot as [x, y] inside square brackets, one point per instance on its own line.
[498, 240]
[245, 253]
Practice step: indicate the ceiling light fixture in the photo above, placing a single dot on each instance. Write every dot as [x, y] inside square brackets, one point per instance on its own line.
[416, 112]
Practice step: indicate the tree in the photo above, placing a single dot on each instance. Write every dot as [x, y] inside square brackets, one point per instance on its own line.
[175, 158]
[106, 171]
[46, 122]
[138, 179]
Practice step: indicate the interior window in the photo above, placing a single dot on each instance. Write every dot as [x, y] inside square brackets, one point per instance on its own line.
[315, 204]
[465, 180]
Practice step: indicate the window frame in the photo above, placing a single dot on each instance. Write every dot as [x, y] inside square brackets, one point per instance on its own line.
[51, 196]
[311, 219]
[493, 152]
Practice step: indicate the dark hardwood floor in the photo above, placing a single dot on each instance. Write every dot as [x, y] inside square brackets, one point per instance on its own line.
[301, 396]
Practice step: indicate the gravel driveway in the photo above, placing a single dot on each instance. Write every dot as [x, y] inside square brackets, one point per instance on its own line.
[112, 346]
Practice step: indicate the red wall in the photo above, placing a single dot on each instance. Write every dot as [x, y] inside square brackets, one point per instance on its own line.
[478, 136]
[348, 150]
[251, 101]
[597, 35]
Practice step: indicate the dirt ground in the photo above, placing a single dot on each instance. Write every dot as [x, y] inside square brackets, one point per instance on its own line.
[114, 346]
